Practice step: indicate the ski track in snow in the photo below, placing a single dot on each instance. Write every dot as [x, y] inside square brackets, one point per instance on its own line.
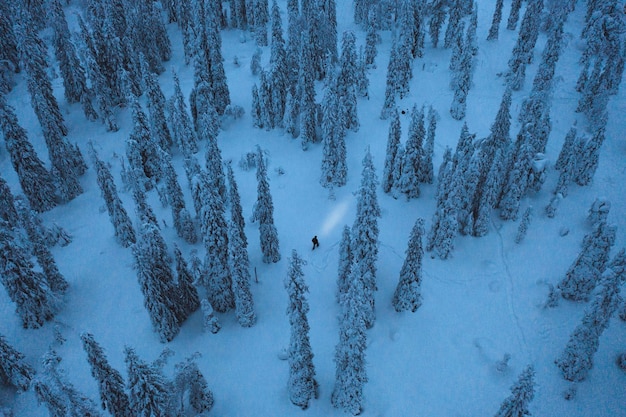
[510, 287]
[321, 264]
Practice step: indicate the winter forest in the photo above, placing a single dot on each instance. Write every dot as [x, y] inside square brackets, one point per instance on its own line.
[167, 168]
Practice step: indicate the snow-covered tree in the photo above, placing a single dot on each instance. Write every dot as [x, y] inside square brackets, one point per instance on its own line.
[209, 320]
[183, 222]
[412, 170]
[28, 289]
[264, 213]
[494, 29]
[302, 384]
[523, 50]
[54, 389]
[279, 77]
[157, 281]
[350, 370]
[588, 160]
[217, 278]
[346, 81]
[455, 14]
[364, 244]
[14, 370]
[334, 168]
[149, 390]
[576, 360]
[522, 393]
[33, 176]
[191, 386]
[523, 225]
[180, 123]
[345, 262]
[408, 291]
[188, 298]
[393, 142]
[371, 50]
[156, 105]
[516, 5]
[584, 274]
[7, 205]
[122, 224]
[428, 171]
[110, 381]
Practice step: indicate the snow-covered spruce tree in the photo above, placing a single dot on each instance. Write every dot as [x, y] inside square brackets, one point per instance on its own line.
[256, 111]
[306, 93]
[412, 171]
[599, 211]
[35, 302]
[180, 122]
[345, 262]
[445, 224]
[428, 149]
[146, 34]
[279, 71]
[209, 320]
[124, 232]
[408, 291]
[239, 265]
[522, 393]
[67, 161]
[587, 163]
[523, 50]
[236, 212]
[522, 229]
[371, 50]
[390, 85]
[239, 14]
[517, 179]
[393, 142]
[110, 382]
[264, 213]
[149, 390]
[148, 147]
[576, 360]
[411, 17]
[261, 18]
[39, 247]
[334, 168]
[33, 176]
[183, 222]
[494, 29]
[72, 71]
[364, 244]
[566, 149]
[99, 86]
[437, 18]
[7, 205]
[265, 100]
[455, 14]
[14, 370]
[53, 388]
[362, 82]
[583, 275]
[157, 282]
[302, 384]
[188, 298]
[516, 5]
[346, 81]
[461, 81]
[156, 104]
[191, 386]
[217, 278]
[350, 371]
[9, 54]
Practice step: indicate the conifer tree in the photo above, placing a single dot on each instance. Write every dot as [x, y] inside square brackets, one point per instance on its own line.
[14, 370]
[302, 383]
[124, 232]
[217, 278]
[183, 223]
[334, 168]
[371, 50]
[445, 223]
[239, 264]
[428, 171]
[408, 292]
[517, 181]
[265, 101]
[583, 275]
[156, 105]
[516, 5]
[110, 381]
[306, 93]
[191, 384]
[157, 282]
[523, 50]
[210, 322]
[522, 393]
[180, 122]
[523, 225]
[264, 213]
[364, 235]
[72, 71]
[494, 29]
[461, 81]
[261, 18]
[412, 164]
[437, 17]
[391, 155]
[279, 71]
[149, 390]
[576, 360]
[9, 54]
[346, 81]
[362, 82]
[350, 371]
[59, 394]
[34, 178]
[189, 300]
[35, 302]
[7, 205]
[31, 224]
[589, 157]
[345, 262]
[455, 14]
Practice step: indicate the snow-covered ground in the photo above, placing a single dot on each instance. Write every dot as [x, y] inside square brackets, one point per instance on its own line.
[484, 302]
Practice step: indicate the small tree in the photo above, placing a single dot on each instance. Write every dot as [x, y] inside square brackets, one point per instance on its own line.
[191, 385]
[14, 370]
[408, 292]
[149, 390]
[522, 393]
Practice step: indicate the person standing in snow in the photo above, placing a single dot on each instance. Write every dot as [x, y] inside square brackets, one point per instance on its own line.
[316, 243]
